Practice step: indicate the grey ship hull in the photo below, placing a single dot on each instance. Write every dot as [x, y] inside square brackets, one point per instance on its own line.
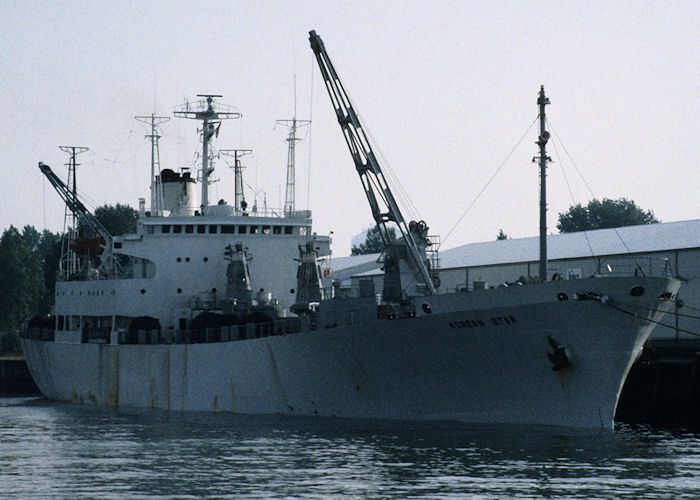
[476, 357]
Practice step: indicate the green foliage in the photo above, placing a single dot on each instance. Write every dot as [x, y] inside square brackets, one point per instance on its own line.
[117, 219]
[49, 252]
[29, 263]
[501, 235]
[604, 214]
[23, 281]
[47, 247]
[373, 241]
[32, 238]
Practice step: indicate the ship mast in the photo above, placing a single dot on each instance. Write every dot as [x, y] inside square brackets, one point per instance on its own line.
[293, 124]
[211, 114]
[542, 101]
[69, 261]
[239, 200]
[156, 186]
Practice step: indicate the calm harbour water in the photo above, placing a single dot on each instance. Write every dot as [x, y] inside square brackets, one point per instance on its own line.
[50, 449]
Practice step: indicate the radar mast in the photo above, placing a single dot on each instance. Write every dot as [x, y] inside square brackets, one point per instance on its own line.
[156, 183]
[211, 114]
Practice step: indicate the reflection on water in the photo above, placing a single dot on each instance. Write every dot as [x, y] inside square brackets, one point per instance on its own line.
[54, 449]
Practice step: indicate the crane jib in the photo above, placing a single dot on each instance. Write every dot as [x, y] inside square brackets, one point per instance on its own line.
[373, 181]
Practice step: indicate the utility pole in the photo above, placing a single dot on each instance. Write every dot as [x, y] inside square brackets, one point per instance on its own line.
[211, 114]
[239, 200]
[156, 186]
[542, 101]
[69, 260]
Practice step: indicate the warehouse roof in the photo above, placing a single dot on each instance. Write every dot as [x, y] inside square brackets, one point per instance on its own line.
[601, 242]
[631, 239]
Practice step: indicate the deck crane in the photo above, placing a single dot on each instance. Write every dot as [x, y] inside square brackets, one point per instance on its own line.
[101, 243]
[378, 192]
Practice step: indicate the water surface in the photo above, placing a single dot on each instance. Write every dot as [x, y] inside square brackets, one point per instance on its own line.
[54, 449]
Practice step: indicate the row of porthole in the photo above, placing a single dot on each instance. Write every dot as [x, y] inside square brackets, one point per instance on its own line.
[89, 293]
[179, 290]
[187, 259]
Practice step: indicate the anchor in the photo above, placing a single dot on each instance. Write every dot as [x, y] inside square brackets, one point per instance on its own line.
[558, 357]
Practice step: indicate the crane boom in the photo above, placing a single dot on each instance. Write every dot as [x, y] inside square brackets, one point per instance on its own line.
[76, 206]
[381, 200]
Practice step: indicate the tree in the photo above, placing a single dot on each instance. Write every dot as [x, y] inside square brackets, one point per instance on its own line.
[117, 219]
[32, 238]
[23, 283]
[501, 235]
[49, 252]
[373, 241]
[604, 214]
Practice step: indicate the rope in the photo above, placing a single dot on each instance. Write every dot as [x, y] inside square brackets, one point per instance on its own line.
[661, 310]
[584, 181]
[672, 327]
[489, 181]
[311, 111]
[571, 193]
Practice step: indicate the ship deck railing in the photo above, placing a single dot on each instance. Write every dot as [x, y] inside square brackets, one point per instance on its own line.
[35, 333]
[226, 333]
[655, 267]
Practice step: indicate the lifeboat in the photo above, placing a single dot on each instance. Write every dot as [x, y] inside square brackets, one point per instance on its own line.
[88, 246]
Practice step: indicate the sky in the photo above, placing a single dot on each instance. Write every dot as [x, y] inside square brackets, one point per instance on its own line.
[446, 89]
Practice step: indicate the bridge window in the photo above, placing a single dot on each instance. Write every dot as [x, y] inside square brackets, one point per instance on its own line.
[228, 229]
[165, 229]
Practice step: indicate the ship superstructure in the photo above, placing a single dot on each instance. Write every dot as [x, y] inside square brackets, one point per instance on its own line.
[217, 308]
[174, 268]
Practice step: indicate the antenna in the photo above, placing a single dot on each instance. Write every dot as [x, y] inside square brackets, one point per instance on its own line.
[69, 261]
[156, 184]
[211, 114]
[239, 199]
[292, 139]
